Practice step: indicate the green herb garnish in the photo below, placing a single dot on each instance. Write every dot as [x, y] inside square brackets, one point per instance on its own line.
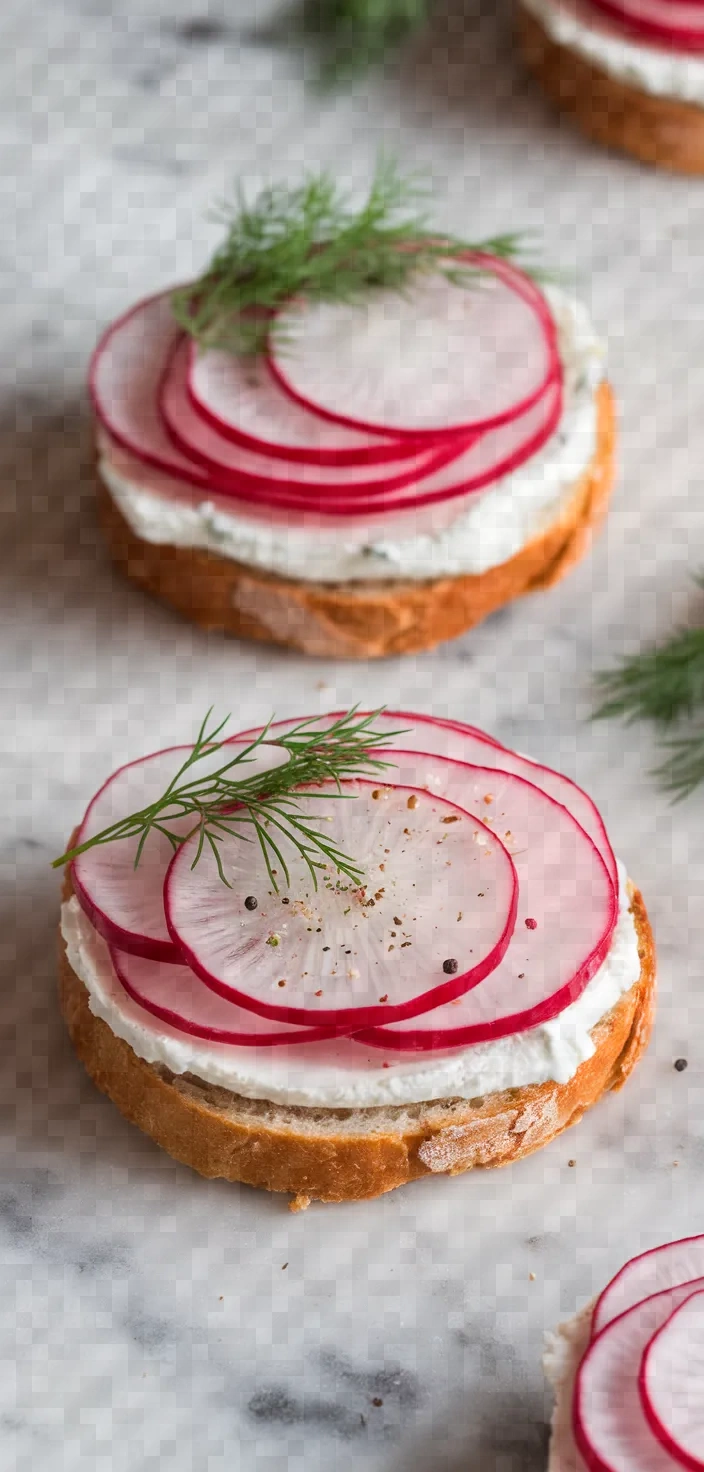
[352, 36]
[309, 242]
[269, 803]
[664, 685]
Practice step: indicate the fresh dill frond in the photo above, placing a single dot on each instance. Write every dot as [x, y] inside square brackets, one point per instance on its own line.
[353, 36]
[311, 242]
[683, 769]
[228, 802]
[664, 685]
[660, 685]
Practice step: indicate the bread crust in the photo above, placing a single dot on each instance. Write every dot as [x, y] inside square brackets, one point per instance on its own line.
[657, 130]
[349, 1155]
[370, 619]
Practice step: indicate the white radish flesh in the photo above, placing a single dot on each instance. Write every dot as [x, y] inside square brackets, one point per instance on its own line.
[432, 895]
[440, 359]
[566, 910]
[178, 997]
[125, 904]
[611, 1428]
[650, 1273]
[242, 400]
[125, 374]
[236, 468]
[437, 737]
[672, 1384]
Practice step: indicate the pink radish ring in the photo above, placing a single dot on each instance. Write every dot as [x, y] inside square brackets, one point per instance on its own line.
[433, 919]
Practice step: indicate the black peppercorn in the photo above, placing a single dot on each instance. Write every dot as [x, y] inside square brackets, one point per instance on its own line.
[250, 902]
[450, 966]
[680, 1064]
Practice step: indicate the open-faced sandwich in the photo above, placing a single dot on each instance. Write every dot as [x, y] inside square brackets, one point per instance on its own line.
[631, 72]
[351, 436]
[628, 1371]
[425, 958]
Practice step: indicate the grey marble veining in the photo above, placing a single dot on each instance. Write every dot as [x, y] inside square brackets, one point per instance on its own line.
[148, 1317]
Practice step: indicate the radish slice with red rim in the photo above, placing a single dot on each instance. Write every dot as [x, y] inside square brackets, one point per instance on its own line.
[566, 911]
[234, 468]
[498, 337]
[671, 1384]
[649, 1273]
[175, 995]
[610, 1425]
[241, 399]
[676, 23]
[431, 736]
[126, 905]
[418, 933]
[125, 373]
[491, 456]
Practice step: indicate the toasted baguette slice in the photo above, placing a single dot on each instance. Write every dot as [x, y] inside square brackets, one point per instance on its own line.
[658, 130]
[369, 619]
[350, 1154]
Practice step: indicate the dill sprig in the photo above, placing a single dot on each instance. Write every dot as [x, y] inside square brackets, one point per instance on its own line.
[664, 685]
[310, 242]
[354, 35]
[227, 801]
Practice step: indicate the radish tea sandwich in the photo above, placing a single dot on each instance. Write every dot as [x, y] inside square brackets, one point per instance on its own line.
[628, 1371]
[331, 956]
[351, 436]
[631, 72]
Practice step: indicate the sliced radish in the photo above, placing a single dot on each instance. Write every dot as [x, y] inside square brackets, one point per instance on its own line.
[488, 458]
[491, 455]
[234, 468]
[175, 995]
[454, 739]
[566, 910]
[498, 339]
[241, 399]
[125, 904]
[610, 1425]
[125, 373]
[433, 919]
[650, 1273]
[671, 1384]
[677, 23]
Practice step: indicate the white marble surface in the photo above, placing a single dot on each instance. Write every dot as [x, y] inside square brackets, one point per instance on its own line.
[147, 1316]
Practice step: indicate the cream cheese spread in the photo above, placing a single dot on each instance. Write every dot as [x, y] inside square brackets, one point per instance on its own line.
[469, 535]
[659, 70]
[343, 1074]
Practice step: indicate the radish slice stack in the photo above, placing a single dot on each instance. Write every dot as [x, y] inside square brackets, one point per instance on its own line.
[489, 900]
[437, 887]
[406, 402]
[126, 905]
[497, 340]
[174, 994]
[639, 1392]
[674, 23]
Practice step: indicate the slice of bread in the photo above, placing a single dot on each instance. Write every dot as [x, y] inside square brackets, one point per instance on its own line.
[350, 1154]
[368, 619]
[658, 130]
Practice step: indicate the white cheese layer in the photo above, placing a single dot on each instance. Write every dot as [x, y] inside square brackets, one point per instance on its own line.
[590, 33]
[469, 535]
[564, 1351]
[342, 1074]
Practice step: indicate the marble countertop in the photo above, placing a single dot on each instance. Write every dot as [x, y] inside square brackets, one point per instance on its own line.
[149, 1317]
